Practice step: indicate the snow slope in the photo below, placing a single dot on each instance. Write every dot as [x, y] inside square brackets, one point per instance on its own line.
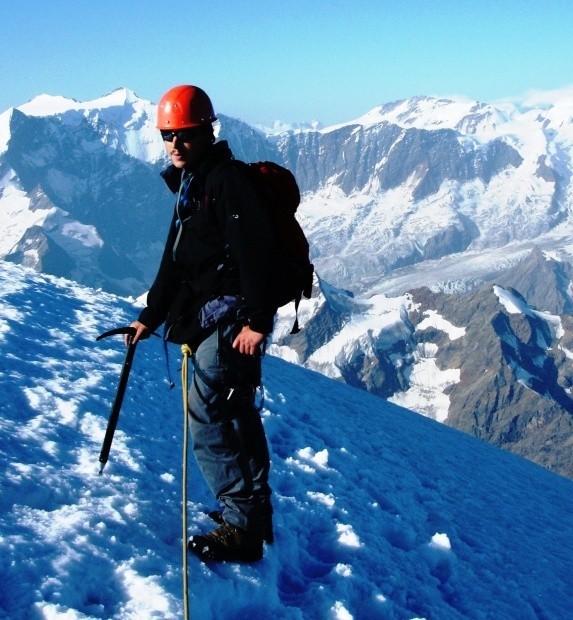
[380, 513]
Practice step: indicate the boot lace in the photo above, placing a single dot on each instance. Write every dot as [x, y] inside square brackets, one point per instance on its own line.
[221, 535]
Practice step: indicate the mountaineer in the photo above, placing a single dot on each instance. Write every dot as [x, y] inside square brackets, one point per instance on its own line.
[212, 293]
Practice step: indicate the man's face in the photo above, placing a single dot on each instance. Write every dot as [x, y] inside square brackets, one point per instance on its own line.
[186, 147]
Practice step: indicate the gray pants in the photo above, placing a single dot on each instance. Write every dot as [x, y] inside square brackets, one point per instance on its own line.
[229, 441]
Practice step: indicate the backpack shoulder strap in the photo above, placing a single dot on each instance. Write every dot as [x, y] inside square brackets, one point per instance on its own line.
[213, 174]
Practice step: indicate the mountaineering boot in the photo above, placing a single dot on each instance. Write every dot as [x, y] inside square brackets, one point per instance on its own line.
[268, 534]
[227, 543]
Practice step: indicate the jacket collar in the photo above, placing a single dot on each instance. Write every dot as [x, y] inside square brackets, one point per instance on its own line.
[218, 152]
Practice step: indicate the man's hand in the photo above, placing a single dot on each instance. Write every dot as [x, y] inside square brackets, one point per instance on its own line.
[248, 341]
[141, 332]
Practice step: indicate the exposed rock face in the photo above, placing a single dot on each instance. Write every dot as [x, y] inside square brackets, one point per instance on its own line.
[545, 284]
[515, 377]
[388, 155]
[487, 362]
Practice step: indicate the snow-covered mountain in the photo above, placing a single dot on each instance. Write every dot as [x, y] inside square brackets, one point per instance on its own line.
[424, 215]
[424, 179]
[486, 361]
[79, 189]
[408, 182]
[380, 513]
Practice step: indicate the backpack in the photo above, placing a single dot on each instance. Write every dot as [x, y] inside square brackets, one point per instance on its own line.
[279, 192]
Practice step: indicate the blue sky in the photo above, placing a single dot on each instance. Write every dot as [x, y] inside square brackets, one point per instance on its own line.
[262, 60]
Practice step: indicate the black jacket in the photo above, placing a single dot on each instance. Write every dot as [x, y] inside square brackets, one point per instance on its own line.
[220, 242]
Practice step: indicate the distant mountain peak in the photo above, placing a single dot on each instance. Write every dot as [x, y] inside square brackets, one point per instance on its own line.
[280, 127]
[48, 105]
[51, 105]
[117, 97]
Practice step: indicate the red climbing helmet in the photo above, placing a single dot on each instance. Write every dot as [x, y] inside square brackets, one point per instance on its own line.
[184, 106]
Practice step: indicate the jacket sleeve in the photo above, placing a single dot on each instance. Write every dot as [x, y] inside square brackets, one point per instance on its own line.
[165, 287]
[251, 241]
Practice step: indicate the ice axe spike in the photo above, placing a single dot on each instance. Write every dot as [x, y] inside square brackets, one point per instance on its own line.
[123, 377]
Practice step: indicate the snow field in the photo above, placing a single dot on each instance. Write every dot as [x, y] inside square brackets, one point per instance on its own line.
[379, 512]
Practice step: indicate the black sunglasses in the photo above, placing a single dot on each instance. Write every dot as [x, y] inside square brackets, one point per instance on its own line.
[183, 135]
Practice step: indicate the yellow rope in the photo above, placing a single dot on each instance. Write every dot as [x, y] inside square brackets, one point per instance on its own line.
[186, 351]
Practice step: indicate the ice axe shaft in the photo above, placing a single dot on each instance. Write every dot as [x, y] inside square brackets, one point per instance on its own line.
[123, 377]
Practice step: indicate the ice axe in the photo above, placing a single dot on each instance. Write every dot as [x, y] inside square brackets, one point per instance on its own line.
[114, 415]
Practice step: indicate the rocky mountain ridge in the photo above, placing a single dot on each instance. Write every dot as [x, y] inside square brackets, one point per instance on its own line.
[486, 361]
